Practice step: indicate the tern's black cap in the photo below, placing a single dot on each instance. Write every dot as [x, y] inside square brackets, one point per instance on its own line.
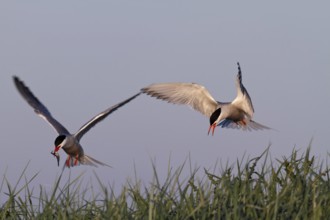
[215, 115]
[59, 139]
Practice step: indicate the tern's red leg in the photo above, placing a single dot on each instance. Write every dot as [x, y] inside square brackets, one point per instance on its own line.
[67, 162]
[241, 123]
[76, 160]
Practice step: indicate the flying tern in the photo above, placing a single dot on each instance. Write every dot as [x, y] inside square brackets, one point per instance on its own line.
[235, 114]
[66, 141]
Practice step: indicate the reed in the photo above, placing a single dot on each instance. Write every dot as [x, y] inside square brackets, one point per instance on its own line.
[294, 187]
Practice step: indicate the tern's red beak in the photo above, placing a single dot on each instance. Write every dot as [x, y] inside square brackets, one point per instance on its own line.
[212, 127]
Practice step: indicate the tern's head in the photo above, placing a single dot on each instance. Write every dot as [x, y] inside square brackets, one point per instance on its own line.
[214, 120]
[59, 143]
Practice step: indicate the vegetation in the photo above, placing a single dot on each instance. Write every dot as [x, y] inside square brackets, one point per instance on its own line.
[294, 187]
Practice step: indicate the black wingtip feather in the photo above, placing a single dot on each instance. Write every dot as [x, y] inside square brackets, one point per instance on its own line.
[26, 92]
[17, 81]
[239, 70]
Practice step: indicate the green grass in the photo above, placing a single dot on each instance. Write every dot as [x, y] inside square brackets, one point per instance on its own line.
[294, 187]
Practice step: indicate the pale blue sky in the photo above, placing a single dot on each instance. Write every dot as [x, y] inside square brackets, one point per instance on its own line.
[82, 57]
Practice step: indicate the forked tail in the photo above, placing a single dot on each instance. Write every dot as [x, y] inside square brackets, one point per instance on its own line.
[88, 160]
[84, 160]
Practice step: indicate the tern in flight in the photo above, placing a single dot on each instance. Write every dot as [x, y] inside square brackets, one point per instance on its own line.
[235, 114]
[66, 141]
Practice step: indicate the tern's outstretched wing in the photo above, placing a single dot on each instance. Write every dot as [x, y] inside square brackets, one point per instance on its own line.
[242, 99]
[101, 116]
[191, 94]
[38, 107]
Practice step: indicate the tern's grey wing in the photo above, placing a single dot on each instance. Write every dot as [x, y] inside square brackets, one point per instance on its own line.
[38, 107]
[190, 94]
[85, 128]
[252, 125]
[243, 99]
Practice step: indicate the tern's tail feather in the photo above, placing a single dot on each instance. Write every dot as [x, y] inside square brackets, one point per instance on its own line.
[252, 125]
[88, 160]
[84, 160]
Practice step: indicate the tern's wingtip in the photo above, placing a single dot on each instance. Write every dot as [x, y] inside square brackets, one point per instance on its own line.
[16, 79]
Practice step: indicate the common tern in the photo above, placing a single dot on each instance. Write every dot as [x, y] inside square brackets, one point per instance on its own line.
[66, 141]
[235, 114]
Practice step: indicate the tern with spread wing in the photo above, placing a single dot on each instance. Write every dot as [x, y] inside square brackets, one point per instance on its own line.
[66, 141]
[235, 114]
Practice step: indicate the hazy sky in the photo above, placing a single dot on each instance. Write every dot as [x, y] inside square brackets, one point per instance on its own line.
[80, 57]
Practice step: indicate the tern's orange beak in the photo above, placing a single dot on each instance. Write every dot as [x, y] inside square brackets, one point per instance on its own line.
[212, 127]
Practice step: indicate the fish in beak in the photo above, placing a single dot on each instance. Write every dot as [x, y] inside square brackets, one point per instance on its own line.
[57, 155]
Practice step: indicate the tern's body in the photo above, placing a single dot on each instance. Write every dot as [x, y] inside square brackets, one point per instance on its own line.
[68, 142]
[235, 114]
